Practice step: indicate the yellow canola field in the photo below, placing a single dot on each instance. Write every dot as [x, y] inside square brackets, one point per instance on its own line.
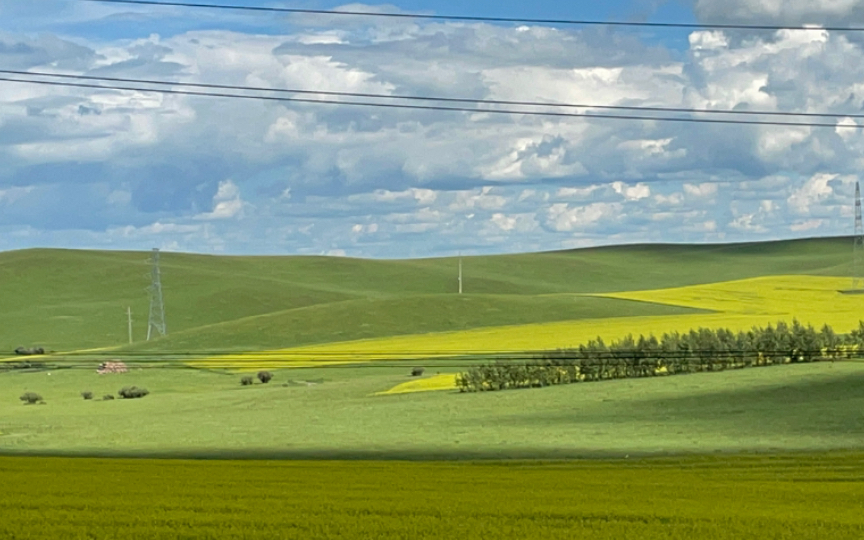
[445, 381]
[739, 305]
[21, 358]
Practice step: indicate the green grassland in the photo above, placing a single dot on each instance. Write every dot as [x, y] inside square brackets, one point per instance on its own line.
[198, 413]
[780, 441]
[805, 497]
[69, 300]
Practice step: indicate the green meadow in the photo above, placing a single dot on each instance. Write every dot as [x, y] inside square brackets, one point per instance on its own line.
[196, 413]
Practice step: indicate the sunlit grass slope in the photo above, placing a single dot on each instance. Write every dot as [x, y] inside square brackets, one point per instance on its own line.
[67, 300]
[409, 314]
[194, 412]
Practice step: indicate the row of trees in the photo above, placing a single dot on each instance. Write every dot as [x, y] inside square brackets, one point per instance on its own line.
[696, 351]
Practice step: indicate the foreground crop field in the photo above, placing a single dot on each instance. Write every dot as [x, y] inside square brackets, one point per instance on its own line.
[800, 497]
[737, 305]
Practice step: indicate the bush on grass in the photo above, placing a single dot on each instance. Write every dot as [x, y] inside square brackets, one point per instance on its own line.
[417, 372]
[30, 398]
[265, 376]
[87, 395]
[246, 381]
[107, 397]
[132, 392]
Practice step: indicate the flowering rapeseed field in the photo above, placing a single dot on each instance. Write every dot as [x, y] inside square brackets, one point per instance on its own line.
[736, 305]
[444, 381]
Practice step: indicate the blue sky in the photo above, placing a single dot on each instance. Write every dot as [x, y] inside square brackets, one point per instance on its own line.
[135, 170]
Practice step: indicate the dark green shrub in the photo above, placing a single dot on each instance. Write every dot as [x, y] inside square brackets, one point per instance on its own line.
[30, 398]
[265, 376]
[417, 372]
[246, 381]
[87, 395]
[107, 397]
[132, 392]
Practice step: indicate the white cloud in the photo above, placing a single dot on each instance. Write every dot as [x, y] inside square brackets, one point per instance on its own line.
[525, 222]
[808, 225]
[561, 217]
[747, 223]
[673, 199]
[314, 173]
[815, 191]
[708, 40]
[359, 228]
[477, 199]
[577, 193]
[700, 190]
[227, 203]
[778, 11]
[632, 193]
[13, 194]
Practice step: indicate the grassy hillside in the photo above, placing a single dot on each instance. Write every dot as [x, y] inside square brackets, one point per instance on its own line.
[191, 412]
[374, 317]
[67, 300]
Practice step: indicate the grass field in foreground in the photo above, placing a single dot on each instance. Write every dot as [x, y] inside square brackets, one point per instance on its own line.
[199, 413]
[797, 497]
[737, 305]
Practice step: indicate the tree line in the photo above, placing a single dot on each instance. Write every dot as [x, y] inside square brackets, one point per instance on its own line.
[699, 350]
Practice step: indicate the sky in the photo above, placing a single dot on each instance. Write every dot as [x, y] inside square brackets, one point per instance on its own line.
[131, 170]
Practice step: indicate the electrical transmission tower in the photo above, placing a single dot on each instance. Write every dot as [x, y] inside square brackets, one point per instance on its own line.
[157, 307]
[858, 250]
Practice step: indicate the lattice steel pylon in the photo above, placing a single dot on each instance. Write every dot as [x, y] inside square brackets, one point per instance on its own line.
[156, 323]
[858, 249]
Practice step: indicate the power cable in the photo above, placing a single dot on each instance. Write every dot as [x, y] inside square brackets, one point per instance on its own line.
[431, 98]
[435, 107]
[467, 18]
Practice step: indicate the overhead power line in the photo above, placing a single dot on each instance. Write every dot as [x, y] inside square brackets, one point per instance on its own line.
[433, 98]
[573, 22]
[438, 108]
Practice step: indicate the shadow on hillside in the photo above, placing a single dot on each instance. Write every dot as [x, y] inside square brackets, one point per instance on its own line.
[524, 454]
[833, 407]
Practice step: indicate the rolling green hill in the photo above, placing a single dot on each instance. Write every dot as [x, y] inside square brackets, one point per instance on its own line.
[74, 299]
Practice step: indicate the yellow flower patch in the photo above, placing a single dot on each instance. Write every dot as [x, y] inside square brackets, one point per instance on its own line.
[737, 305]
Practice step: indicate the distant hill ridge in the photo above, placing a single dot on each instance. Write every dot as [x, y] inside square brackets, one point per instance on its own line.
[66, 299]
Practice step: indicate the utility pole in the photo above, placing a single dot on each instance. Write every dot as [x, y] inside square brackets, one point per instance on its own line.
[157, 306]
[460, 273]
[129, 320]
[858, 250]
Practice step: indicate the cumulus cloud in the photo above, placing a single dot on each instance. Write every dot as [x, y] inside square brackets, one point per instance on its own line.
[139, 166]
[819, 12]
[562, 217]
[227, 203]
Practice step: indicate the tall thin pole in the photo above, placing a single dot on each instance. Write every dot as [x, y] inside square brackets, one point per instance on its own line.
[129, 320]
[460, 273]
[858, 250]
